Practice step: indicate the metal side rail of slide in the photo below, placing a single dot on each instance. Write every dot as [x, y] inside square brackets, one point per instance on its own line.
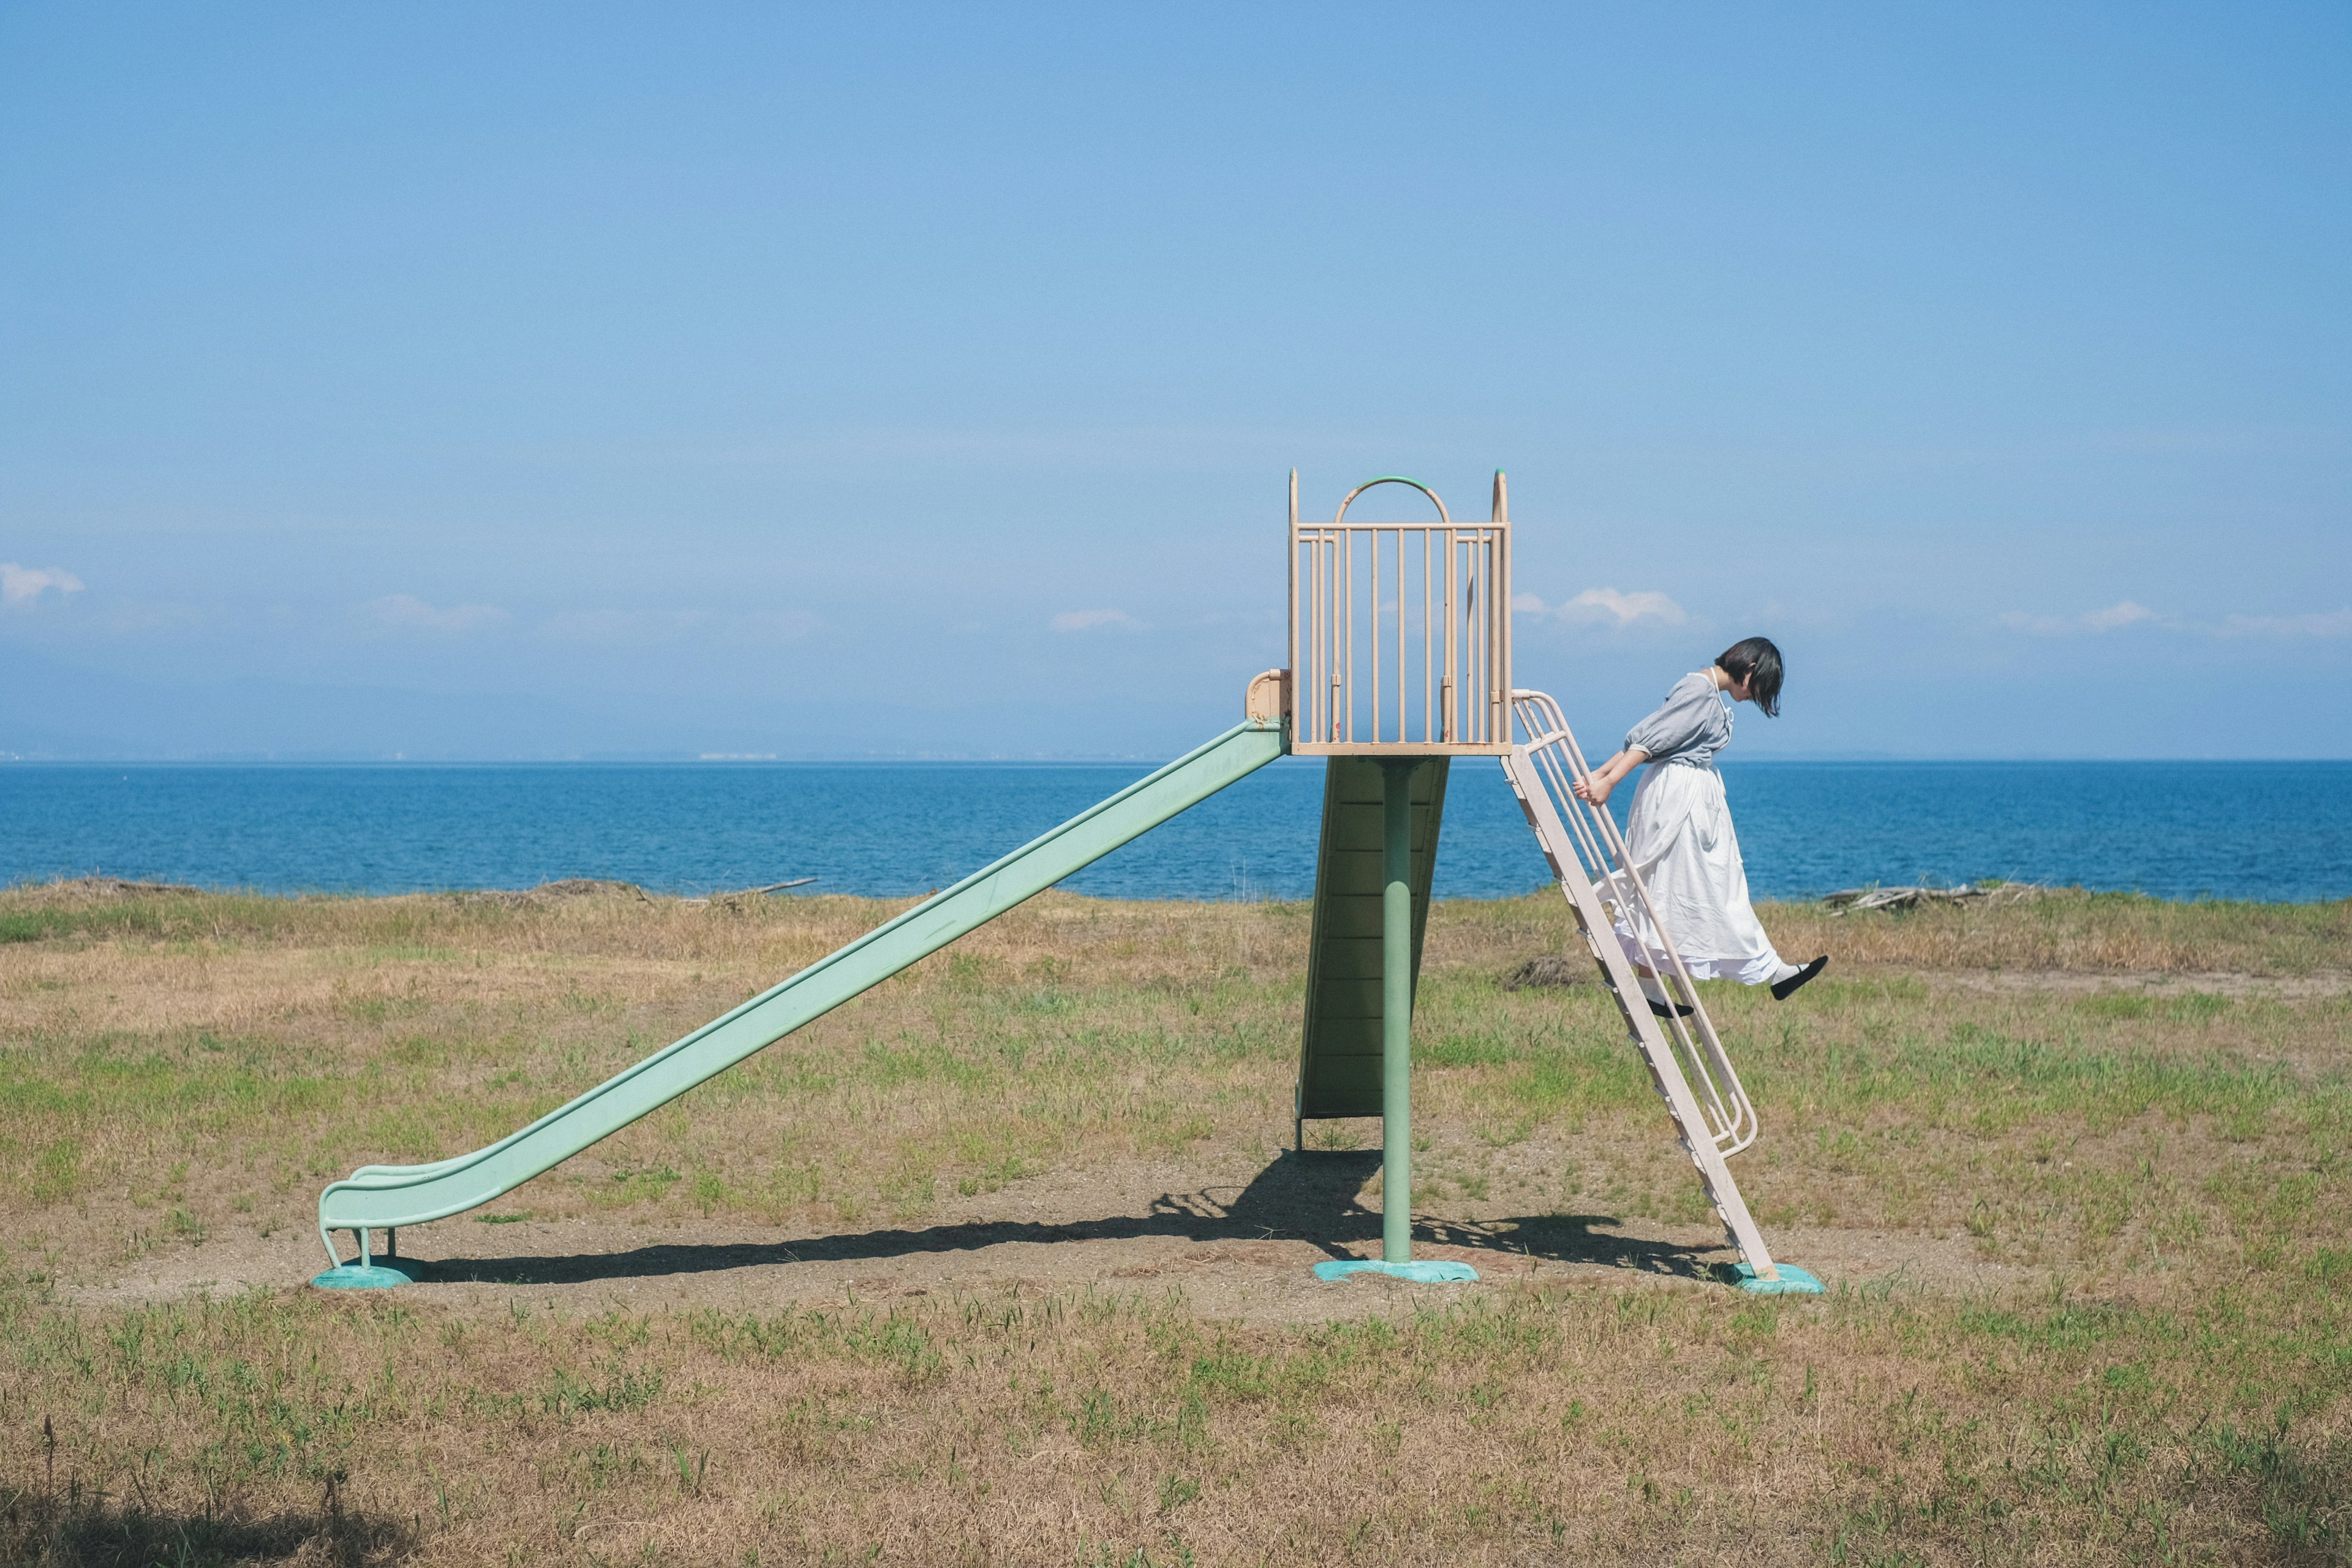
[387, 1197]
[1687, 1063]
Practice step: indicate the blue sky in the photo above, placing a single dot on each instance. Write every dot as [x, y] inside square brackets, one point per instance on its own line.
[892, 381]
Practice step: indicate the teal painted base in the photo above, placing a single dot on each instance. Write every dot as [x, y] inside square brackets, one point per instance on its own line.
[1433, 1272]
[1793, 1281]
[382, 1275]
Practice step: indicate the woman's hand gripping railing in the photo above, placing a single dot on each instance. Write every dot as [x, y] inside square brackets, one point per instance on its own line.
[1698, 1049]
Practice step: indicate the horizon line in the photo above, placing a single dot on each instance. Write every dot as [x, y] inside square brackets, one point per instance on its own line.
[757, 760]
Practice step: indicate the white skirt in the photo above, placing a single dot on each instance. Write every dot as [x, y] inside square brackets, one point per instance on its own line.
[1680, 840]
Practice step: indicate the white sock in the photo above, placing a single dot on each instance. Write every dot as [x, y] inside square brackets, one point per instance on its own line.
[1784, 970]
[1653, 990]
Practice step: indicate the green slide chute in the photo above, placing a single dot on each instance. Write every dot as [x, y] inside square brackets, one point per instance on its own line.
[386, 1197]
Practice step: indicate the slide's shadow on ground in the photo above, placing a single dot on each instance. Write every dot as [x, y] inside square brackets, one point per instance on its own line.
[1312, 1197]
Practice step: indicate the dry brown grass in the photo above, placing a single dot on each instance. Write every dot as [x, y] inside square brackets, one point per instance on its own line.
[1093, 1429]
[2166, 1163]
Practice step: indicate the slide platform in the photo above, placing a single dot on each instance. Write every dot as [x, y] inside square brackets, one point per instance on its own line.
[387, 1197]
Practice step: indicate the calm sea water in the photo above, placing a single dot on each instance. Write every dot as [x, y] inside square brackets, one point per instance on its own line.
[2264, 830]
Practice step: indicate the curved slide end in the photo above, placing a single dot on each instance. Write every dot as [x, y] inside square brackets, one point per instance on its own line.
[368, 1276]
[366, 1272]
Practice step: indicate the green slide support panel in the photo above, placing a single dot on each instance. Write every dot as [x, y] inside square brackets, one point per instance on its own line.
[1340, 1056]
[385, 1197]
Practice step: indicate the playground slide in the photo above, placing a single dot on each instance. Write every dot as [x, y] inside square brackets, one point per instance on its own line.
[385, 1197]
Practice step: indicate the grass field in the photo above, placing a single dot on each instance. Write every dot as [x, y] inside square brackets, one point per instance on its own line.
[2133, 1114]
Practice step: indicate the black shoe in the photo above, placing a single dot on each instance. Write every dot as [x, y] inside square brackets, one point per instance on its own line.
[1784, 989]
[1658, 1007]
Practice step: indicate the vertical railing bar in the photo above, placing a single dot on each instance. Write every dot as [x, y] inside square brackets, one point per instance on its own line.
[1486, 640]
[1486, 611]
[1470, 687]
[1330, 548]
[1487, 629]
[1336, 676]
[1323, 634]
[1501, 628]
[1310, 678]
[1453, 599]
[1428, 644]
[1372, 608]
[1495, 617]
[1502, 519]
[1504, 699]
[1290, 567]
[1402, 736]
[1475, 644]
[1444, 670]
[1344, 691]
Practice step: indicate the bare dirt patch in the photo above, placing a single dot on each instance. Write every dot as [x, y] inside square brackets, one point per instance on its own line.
[1238, 1248]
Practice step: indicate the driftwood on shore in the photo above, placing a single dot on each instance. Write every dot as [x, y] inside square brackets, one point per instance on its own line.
[1912, 898]
[97, 886]
[749, 892]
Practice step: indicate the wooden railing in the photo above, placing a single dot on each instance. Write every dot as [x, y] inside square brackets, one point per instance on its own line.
[1400, 633]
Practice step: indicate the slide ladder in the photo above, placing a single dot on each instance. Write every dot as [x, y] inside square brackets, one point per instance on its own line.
[386, 1197]
[1688, 1066]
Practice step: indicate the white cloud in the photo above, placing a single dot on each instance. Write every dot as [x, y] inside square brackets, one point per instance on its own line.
[1616, 609]
[2117, 615]
[407, 612]
[2125, 612]
[2336, 625]
[1087, 620]
[20, 586]
[1528, 605]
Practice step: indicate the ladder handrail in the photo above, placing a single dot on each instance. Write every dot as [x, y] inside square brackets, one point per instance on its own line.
[1672, 1063]
[1552, 747]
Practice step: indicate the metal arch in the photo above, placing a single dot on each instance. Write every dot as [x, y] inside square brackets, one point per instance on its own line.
[1442, 515]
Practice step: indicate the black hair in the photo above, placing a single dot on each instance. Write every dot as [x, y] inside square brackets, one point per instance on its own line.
[1756, 661]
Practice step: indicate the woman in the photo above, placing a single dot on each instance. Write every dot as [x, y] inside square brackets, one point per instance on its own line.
[1679, 838]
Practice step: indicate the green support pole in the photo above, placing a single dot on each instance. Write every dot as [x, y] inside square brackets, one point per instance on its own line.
[1396, 1048]
[1396, 1013]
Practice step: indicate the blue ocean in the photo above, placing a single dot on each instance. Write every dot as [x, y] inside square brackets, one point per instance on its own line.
[2272, 831]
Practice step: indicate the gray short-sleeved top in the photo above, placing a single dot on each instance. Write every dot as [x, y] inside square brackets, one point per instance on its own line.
[1689, 728]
